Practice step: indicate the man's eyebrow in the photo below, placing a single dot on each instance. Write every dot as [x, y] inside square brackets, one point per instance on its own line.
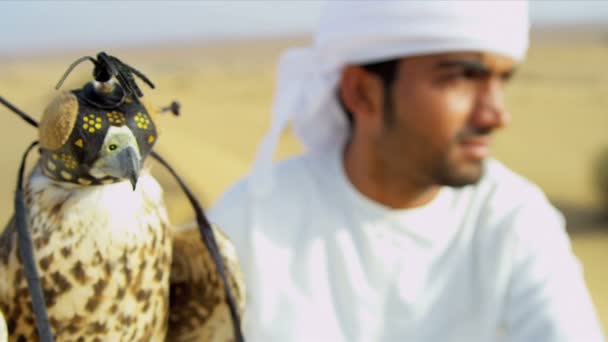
[470, 65]
[476, 67]
[507, 75]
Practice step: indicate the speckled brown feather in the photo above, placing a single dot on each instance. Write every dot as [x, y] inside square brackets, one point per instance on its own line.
[112, 269]
[104, 262]
[198, 309]
[3, 330]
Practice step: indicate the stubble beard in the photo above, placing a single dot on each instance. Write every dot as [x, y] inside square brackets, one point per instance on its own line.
[437, 167]
[446, 171]
[452, 174]
[459, 173]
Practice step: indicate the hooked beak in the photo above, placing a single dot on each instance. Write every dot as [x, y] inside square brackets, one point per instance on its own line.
[129, 164]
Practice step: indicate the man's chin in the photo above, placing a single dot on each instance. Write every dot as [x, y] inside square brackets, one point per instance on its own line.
[461, 175]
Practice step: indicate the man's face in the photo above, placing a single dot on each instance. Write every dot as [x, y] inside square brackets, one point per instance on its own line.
[439, 115]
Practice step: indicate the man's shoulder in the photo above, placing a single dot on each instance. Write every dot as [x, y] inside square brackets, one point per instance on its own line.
[288, 175]
[515, 201]
[503, 184]
[499, 174]
[292, 179]
[292, 188]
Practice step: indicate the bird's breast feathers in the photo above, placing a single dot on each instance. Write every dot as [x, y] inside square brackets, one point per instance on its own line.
[104, 253]
[113, 214]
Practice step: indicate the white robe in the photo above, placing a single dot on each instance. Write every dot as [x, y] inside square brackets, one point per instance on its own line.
[485, 262]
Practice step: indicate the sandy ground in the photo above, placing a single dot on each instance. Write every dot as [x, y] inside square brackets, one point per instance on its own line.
[558, 102]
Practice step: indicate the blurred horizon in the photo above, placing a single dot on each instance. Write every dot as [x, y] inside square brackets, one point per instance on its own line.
[117, 24]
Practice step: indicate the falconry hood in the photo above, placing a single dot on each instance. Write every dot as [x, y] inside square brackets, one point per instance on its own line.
[101, 133]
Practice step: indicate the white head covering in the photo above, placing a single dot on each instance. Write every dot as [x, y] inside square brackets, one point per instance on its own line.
[358, 32]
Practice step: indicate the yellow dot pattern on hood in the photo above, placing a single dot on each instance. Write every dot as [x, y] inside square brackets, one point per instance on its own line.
[92, 123]
[84, 181]
[142, 121]
[72, 161]
[51, 165]
[116, 118]
[66, 175]
[69, 161]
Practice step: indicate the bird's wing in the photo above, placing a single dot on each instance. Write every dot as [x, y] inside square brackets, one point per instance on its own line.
[8, 264]
[197, 302]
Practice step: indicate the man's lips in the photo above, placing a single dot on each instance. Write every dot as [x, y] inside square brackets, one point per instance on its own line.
[475, 147]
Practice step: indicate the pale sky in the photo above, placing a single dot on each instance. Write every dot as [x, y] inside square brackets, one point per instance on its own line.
[29, 26]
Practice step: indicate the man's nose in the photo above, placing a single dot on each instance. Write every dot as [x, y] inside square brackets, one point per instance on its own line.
[491, 111]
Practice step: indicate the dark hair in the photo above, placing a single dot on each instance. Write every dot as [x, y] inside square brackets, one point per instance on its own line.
[386, 70]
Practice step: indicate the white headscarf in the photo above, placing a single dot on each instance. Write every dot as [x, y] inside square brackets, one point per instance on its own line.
[358, 32]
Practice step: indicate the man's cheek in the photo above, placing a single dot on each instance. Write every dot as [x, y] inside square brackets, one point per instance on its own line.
[458, 101]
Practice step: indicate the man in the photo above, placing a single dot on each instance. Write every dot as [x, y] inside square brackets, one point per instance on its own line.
[395, 225]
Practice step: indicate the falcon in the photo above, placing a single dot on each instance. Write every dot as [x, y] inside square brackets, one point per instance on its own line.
[110, 264]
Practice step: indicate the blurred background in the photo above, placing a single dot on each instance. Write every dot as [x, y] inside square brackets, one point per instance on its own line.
[218, 59]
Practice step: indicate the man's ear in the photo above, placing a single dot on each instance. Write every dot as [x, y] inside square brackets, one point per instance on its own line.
[361, 93]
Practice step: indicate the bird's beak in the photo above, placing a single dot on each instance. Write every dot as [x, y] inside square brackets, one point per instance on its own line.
[130, 165]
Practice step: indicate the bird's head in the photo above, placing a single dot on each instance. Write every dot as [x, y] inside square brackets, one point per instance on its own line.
[119, 156]
[101, 133]
[84, 144]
